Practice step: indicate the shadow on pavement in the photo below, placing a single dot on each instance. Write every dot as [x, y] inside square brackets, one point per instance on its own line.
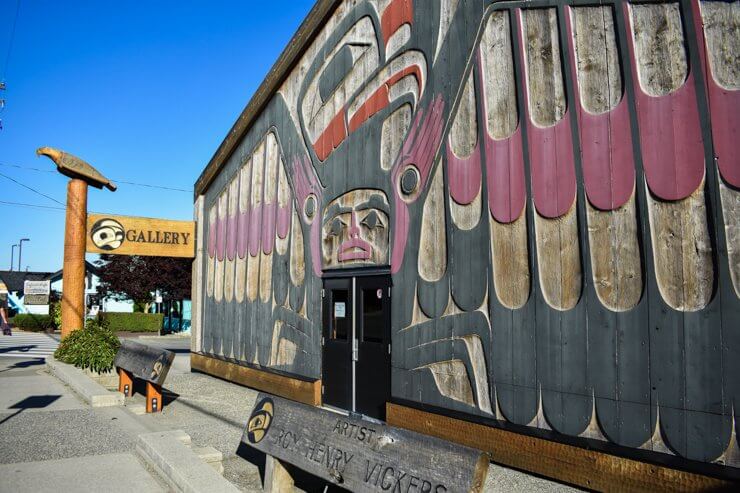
[32, 402]
[25, 364]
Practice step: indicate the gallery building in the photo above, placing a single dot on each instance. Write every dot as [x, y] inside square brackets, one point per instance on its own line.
[513, 224]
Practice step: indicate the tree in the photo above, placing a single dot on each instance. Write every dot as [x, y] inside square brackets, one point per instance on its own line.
[137, 278]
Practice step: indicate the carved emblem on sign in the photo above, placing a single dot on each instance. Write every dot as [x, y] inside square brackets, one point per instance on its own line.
[107, 234]
[260, 421]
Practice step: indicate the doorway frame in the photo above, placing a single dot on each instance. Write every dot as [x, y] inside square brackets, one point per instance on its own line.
[353, 274]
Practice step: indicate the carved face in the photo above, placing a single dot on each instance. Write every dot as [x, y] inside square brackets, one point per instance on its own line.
[355, 229]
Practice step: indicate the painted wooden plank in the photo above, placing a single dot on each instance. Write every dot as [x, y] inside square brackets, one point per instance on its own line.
[550, 142]
[301, 390]
[145, 362]
[720, 20]
[667, 110]
[361, 455]
[589, 469]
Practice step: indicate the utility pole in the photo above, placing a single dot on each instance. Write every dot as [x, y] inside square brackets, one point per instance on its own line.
[12, 255]
[20, 252]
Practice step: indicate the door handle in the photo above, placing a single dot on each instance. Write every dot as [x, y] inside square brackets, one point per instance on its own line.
[355, 350]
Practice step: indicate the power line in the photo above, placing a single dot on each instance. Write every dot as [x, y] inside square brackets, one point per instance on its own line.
[31, 189]
[147, 185]
[12, 36]
[39, 206]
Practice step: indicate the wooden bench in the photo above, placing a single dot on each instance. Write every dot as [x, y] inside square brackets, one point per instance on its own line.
[357, 454]
[151, 364]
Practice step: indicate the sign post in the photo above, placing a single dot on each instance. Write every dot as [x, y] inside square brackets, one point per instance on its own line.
[81, 175]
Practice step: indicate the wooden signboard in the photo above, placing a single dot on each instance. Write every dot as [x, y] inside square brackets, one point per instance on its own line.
[127, 235]
[359, 455]
[144, 362]
[36, 299]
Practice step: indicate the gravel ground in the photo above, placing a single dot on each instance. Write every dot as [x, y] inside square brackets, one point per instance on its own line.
[214, 412]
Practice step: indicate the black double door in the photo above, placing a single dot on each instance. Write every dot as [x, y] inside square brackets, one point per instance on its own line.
[356, 373]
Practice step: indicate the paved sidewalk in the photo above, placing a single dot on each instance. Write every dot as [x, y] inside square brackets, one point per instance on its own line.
[51, 441]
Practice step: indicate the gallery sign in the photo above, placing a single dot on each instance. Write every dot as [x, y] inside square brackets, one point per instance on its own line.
[361, 455]
[127, 235]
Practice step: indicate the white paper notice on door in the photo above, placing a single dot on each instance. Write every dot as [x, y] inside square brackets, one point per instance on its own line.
[340, 309]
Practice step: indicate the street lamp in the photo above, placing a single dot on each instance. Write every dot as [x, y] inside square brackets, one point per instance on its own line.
[12, 255]
[20, 252]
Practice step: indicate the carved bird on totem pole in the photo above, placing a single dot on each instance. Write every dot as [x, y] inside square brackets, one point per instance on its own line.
[74, 167]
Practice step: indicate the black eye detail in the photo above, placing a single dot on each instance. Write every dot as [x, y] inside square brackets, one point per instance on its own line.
[372, 221]
[336, 227]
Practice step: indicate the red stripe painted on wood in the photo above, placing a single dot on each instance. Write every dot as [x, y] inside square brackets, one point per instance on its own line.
[465, 175]
[724, 113]
[670, 135]
[395, 15]
[606, 147]
[552, 165]
[507, 189]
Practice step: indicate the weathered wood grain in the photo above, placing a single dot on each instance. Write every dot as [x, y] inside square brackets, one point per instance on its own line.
[297, 259]
[272, 161]
[255, 203]
[198, 273]
[558, 259]
[392, 135]
[211, 267]
[499, 85]
[662, 65]
[452, 380]
[682, 251]
[231, 222]
[579, 466]
[284, 201]
[277, 478]
[218, 281]
[306, 391]
[597, 58]
[721, 25]
[615, 256]
[240, 282]
[361, 455]
[510, 258]
[464, 131]
[432, 262]
[731, 212]
[466, 217]
[145, 362]
[543, 68]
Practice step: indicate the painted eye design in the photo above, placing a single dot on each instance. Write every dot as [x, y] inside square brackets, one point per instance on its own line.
[372, 221]
[336, 227]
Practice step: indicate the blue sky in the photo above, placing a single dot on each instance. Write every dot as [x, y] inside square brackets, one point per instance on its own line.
[143, 91]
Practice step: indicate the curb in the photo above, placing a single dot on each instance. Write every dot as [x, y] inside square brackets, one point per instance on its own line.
[180, 466]
[91, 392]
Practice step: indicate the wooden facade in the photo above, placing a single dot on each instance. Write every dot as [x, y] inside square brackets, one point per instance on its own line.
[551, 186]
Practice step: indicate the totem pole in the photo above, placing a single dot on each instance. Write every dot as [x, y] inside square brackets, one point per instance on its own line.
[81, 175]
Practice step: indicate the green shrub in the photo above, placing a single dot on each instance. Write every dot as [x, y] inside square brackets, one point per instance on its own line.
[56, 313]
[93, 347]
[133, 322]
[32, 322]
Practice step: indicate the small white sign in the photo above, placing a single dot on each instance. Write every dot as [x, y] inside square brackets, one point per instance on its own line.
[340, 309]
[36, 287]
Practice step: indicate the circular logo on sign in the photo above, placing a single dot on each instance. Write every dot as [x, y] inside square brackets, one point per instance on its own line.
[260, 421]
[107, 234]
